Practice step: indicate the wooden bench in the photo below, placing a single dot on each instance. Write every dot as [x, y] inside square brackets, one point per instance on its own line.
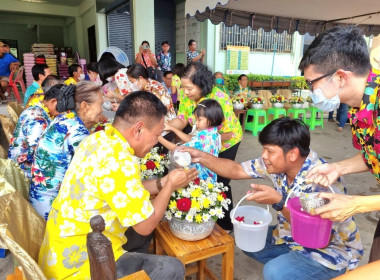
[219, 242]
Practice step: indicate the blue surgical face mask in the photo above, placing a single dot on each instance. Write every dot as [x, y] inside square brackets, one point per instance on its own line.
[219, 81]
[322, 102]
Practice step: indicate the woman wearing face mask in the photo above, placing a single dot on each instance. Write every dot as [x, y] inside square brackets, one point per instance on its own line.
[138, 76]
[93, 73]
[80, 108]
[219, 82]
[76, 74]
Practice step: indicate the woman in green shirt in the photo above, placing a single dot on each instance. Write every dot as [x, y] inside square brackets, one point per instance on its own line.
[197, 84]
[243, 88]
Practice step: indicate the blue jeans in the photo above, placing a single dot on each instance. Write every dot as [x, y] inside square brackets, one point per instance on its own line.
[283, 263]
[341, 114]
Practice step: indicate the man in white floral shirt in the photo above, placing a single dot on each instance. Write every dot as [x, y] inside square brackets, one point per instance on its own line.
[104, 179]
[286, 158]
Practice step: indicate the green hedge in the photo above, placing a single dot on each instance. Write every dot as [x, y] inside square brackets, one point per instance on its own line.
[296, 82]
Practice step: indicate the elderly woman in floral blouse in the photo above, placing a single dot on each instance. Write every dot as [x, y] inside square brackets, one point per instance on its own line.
[81, 108]
[197, 83]
[138, 76]
[30, 126]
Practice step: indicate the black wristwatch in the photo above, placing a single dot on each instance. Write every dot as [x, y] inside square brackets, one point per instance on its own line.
[279, 205]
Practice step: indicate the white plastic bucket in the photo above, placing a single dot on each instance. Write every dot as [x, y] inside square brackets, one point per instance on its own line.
[250, 237]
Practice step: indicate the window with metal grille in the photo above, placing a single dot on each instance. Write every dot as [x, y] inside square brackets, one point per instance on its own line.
[257, 40]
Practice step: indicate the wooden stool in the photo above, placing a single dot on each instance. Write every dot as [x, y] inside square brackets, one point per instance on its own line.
[276, 112]
[296, 113]
[240, 114]
[219, 242]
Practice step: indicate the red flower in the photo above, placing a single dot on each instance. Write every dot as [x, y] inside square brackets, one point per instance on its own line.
[223, 194]
[150, 165]
[99, 128]
[240, 219]
[197, 181]
[184, 204]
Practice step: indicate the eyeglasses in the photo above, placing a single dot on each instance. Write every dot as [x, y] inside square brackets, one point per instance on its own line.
[310, 83]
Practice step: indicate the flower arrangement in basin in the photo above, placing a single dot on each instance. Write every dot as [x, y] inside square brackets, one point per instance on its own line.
[192, 211]
[153, 164]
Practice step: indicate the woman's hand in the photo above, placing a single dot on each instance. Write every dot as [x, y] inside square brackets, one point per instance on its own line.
[324, 174]
[264, 194]
[340, 207]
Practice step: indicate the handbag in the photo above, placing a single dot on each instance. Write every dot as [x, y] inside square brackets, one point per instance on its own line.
[151, 72]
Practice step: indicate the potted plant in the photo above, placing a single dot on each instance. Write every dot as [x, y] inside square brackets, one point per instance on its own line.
[278, 101]
[257, 102]
[297, 102]
[192, 211]
[153, 164]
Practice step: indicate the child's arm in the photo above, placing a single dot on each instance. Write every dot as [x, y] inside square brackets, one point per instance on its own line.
[183, 136]
[167, 144]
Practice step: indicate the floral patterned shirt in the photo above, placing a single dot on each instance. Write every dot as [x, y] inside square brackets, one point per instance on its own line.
[365, 124]
[164, 61]
[147, 59]
[52, 158]
[30, 126]
[345, 247]
[159, 90]
[191, 55]
[176, 82]
[103, 179]
[230, 123]
[208, 141]
[123, 82]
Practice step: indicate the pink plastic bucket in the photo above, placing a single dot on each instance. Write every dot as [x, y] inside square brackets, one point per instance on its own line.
[307, 230]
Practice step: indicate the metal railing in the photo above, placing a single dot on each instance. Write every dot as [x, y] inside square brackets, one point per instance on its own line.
[257, 40]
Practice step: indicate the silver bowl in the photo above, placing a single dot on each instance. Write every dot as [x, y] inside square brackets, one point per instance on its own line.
[311, 201]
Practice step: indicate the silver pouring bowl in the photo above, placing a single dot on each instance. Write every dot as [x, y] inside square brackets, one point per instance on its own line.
[180, 159]
[311, 201]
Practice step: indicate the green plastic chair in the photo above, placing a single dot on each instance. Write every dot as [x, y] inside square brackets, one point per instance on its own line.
[297, 113]
[255, 125]
[314, 120]
[276, 112]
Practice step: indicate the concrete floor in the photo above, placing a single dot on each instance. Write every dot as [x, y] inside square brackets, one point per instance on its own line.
[329, 144]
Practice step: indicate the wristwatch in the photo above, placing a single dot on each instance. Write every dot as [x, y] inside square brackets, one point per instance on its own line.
[279, 205]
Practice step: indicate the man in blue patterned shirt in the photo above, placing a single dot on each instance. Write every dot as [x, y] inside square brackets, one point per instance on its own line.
[286, 158]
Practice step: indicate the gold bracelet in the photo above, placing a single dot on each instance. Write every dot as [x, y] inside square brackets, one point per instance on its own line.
[158, 184]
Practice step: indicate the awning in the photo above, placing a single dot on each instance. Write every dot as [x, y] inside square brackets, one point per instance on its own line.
[291, 15]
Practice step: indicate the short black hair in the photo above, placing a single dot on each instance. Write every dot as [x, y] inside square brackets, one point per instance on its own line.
[211, 110]
[167, 73]
[287, 133]
[107, 67]
[338, 48]
[191, 42]
[241, 77]
[165, 42]
[38, 69]
[178, 69]
[73, 68]
[93, 67]
[136, 70]
[145, 42]
[140, 105]
[199, 75]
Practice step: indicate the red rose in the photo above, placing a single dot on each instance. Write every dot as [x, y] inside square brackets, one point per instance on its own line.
[224, 195]
[184, 204]
[150, 165]
[197, 181]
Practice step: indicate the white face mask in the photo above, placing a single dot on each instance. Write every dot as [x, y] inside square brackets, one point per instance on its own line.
[135, 86]
[322, 102]
[81, 77]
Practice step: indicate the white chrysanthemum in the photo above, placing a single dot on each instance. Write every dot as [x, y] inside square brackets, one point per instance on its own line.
[212, 212]
[119, 200]
[192, 211]
[219, 212]
[178, 214]
[189, 218]
[168, 215]
[206, 217]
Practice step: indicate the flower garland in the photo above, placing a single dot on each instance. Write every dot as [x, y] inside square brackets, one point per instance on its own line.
[199, 202]
[153, 164]
[37, 101]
